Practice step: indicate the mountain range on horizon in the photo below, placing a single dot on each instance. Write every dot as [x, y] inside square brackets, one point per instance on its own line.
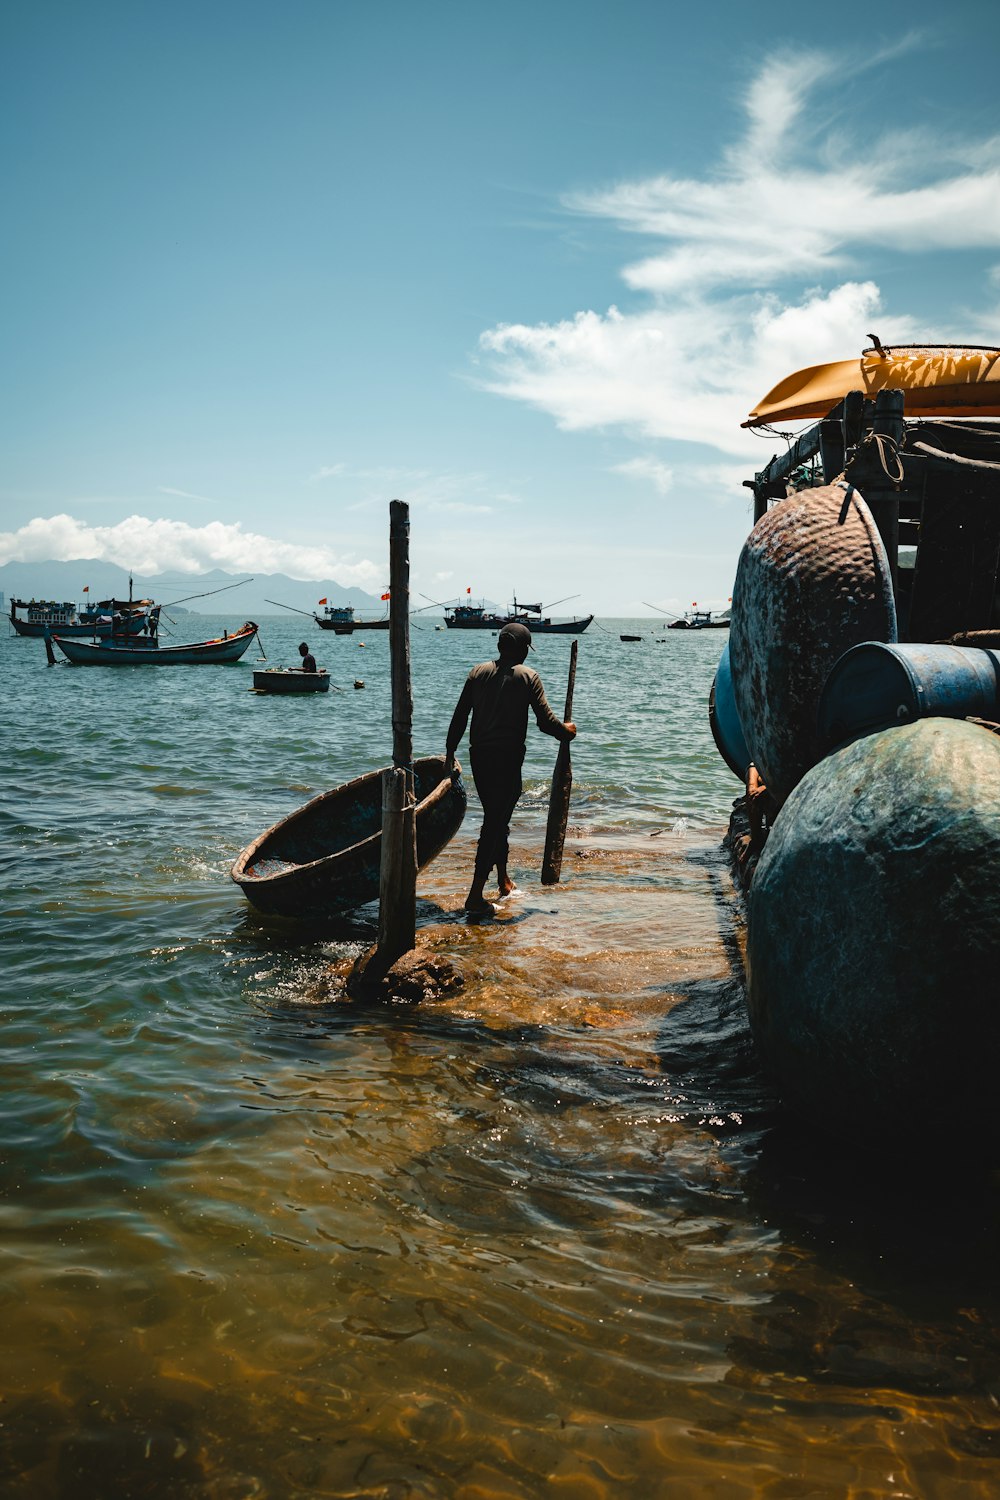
[213, 593]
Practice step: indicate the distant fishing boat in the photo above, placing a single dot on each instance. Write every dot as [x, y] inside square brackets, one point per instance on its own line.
[36, 617]
[477, 617]
[324, 859]
[701, 619]
[130, 652]
[342, 620]
[290, 680]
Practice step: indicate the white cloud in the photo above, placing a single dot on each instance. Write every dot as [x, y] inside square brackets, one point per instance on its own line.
[689, 373]
[650, 469]
[159, 546]
[749, 282]
[331, 471]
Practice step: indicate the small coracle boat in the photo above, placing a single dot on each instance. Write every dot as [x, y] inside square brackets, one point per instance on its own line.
[290, 680]
[129, 652]
[324, 859]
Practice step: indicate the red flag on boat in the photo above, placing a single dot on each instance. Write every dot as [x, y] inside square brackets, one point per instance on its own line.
[320, 601]
[468, 591]
[86, 588]
[385, 596]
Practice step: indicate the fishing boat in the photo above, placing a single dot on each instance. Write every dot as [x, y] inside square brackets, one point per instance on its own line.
[133, 652]
[324, 859]
[37, 617]
[342, 620]
[859, 701]
[701, 619]
[290, 680]
[478, 617]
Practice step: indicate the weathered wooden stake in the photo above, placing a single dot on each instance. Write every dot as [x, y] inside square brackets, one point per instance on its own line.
[397, 922]
[562, 783]
[869, 473]
[399, 633]
[398, 873]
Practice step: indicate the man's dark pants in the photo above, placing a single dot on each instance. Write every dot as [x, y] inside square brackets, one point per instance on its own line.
[497, 774]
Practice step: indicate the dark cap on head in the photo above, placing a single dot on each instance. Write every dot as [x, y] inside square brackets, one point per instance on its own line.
[303, 648]
[513, 637]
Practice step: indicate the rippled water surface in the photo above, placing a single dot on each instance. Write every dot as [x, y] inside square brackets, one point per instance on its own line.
[548, 1234]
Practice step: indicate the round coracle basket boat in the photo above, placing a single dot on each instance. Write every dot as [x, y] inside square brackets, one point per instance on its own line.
[324, 859]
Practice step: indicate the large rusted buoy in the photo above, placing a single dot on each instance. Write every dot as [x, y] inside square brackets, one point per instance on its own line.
[873, 940]
[813, 580]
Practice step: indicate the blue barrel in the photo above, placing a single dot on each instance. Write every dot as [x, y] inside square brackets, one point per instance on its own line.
[876, 685]
[724, 719]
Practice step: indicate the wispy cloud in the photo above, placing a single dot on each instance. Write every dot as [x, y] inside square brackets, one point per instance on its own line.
[331, 471]
[159, 546]
[187, 495]
[649, 469]
[446, 494]
[752, 274]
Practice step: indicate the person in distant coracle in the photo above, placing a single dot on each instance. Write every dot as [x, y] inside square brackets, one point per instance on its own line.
[498, 694]
[308, 660]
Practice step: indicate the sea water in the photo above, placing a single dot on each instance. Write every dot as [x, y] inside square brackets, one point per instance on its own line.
[551, 1233]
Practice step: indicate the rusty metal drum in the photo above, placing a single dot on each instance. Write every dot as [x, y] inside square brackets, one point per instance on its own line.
[813, 580]
[873, 941]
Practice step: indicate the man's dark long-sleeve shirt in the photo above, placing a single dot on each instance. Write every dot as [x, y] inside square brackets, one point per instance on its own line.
[498, 696]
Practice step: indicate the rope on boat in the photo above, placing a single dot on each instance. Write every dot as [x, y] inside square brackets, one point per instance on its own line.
[887, 449]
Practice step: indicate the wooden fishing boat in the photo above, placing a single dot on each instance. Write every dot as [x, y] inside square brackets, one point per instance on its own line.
[324, 859]
[701, 619]
[35, 618]
[290, 680]
[139, 653]
[341, 619]
[478, 617]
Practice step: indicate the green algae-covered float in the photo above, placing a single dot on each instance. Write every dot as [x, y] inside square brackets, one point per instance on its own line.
[862, 674]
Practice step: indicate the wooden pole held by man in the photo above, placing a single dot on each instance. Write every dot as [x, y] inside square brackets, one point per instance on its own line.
[562, 783]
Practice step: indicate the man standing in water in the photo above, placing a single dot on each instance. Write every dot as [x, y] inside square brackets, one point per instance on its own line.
[498, 694]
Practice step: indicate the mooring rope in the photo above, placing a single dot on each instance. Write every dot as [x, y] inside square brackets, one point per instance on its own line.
[888, 450]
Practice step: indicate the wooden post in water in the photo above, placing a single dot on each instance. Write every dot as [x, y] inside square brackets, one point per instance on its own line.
[877, 472]
[397, 915]
[562, 783]
[399, 633]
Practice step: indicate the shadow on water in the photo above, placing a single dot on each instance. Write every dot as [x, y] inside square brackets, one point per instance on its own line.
[886, 1276]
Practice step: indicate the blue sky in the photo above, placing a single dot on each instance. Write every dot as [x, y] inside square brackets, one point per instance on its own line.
[526, 266]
